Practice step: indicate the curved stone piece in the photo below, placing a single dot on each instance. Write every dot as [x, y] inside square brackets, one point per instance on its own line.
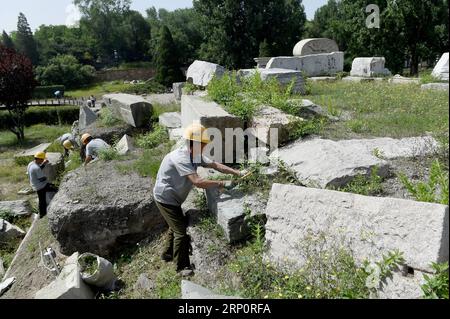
[315, 46]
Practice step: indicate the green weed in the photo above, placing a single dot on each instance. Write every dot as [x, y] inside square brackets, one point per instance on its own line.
[435, 190]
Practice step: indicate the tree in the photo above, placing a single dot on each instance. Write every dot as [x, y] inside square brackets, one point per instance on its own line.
[233, 30]
[65, 70]
[16, 87]
[60, 40]
[103, 20]
[25, 41]
[7, 41]
[135, 32]
[409, 30]
[167, 64]
[185, 29]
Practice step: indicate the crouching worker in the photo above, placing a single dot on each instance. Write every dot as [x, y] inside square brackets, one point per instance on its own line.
[93, 147]
[38, 181]
[68, 142]
[176, 177]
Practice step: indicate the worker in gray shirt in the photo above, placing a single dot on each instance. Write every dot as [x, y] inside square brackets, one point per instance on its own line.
[39, 182]
[93, 147]
[176, 177]
[68, 142]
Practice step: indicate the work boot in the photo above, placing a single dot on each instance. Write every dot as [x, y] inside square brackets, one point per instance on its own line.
[186, 272]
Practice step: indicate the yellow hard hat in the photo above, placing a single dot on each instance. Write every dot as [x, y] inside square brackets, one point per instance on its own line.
[197, 133]
[85, 137]
[40, 155]
[68, 145]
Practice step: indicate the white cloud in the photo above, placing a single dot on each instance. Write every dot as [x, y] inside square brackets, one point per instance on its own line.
[73, 16]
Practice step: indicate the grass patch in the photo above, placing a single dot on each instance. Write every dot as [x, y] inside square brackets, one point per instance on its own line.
[245, 96]
[108, 154]
[327, 273]
[435, 190]
[107, 119]
[159, 109]
[379, 109]
[364, 185]
[154, 138]
[34, 135]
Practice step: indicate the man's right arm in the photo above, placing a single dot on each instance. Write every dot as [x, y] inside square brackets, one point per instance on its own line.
[205, 183]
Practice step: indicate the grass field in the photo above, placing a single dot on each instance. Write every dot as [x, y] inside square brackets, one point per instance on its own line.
[381, 109]
[98, 89]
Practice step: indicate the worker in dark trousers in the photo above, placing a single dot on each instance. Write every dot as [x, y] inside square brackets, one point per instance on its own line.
[176, 177]
[39, 182]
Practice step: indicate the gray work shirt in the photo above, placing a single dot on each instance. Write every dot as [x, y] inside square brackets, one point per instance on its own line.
[93, 148]
[37, 178]
[67, 137]
[172, 183]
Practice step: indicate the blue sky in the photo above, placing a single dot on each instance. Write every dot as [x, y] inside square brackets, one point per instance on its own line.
[55, 11]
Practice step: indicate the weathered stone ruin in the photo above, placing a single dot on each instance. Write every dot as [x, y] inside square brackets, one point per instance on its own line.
[132, 109]
[369, 67]
[440, 71]
[201, 73]
[97, 208]
[368, 226]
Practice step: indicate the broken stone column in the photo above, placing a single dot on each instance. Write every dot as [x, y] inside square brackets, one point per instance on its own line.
[212, 116]
[54, 167]
[18, 207]
[125, 145]
[87, 117]
[369, 227]
[440, 71]
[435, 86]
[170, 120]
[398, 79]
[201, 73]
[178, 90]
[268, 120]
[323, 163]
[97, 208]
[314, 65]
[315, 46]
[9, 231]
[132, 109]
[68, 284]
[369, 67]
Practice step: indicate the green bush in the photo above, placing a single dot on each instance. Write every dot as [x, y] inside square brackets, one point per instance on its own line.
[435, 190]
[44, 114]
[148, 87]
[47, 92]
[66, 70]
[363, 185]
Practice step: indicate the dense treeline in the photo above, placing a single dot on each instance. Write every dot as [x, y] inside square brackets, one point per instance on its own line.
[228, 32]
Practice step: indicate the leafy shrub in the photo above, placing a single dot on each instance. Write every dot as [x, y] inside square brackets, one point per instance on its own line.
[65, 70]
[108, 154]
[436, 286]
[156, 137]
[44, 114]
[148, 87]
[107, 118]
[433, 191]
[242, 97]
[47, 92]
[328, 273]
[301, 128]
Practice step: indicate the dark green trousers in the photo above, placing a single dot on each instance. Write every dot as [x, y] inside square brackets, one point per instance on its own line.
[178, 242]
